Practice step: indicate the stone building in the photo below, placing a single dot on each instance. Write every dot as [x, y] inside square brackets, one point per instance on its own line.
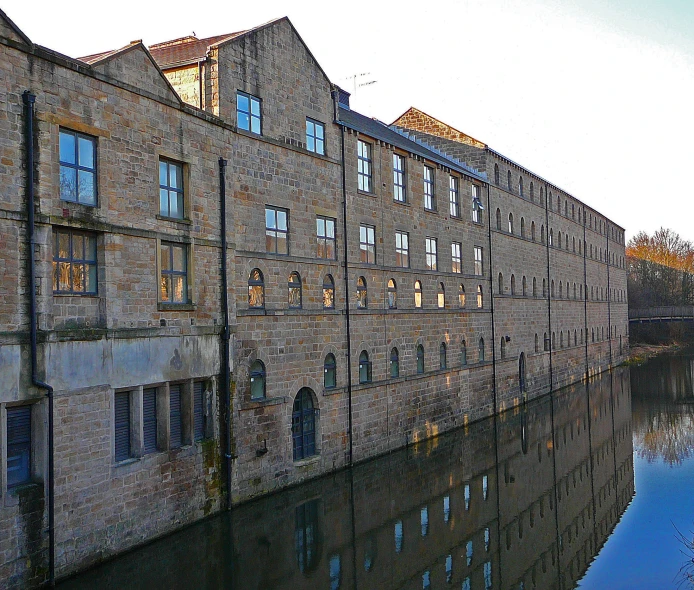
[216, 277]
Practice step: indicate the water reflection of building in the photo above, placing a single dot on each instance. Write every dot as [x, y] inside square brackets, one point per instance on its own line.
[476, 509]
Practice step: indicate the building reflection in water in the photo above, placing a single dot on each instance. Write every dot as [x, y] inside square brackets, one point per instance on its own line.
[523, 500]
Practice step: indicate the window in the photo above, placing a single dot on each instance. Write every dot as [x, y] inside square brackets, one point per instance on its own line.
[248, 115]
[328, 292]
[454, 196]
[364, 166]
[498, 219]
[503, 348]
[431, 256]
[513, 284]
[170, 189]
[456, 257]
[501, 284]
[294, 291]
[149, 419]
[364, 367]
[399, 190]
[525, 287]
[329, 371]
[532, 192]
[442, 356]
[480, 297]
[303, 425]
[532, 231]
[476, 204]
[77, 168]
[276, 230]
[508, 180]
[420, 359]
[175, 417]
[537, 343]
[174, 273]
[122, 426]
[335, 572]
[18, 445]
[429, 196]
[520, 186]
[441, 298]
[522, 233]
[256, 289]
[461, 295]
[510, 223]
[315, 136]
[325, 235]
[463, 353]
[402, 249]
[394, 363]
[74, 262]
[392, 295]
[546, 342]
[534, 287]
[199, 413]
[478, 267]
[496, 174]
[367, 244]
[480, 350]
[257, 375]
[418, 294]
[398, 536]
[424, 520]
[362, 302]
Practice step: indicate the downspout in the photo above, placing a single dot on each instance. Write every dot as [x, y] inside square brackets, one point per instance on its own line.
[200, 86]
[29, 100]
[491, 298]
[549, 295]
[346, 274]
[585, 292]
[226, 393]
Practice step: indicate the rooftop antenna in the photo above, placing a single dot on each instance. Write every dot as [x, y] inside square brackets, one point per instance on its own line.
[359, 82]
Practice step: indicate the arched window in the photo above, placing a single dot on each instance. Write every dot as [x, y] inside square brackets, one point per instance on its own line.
[480, 350]
[256, 289]
[294, 287]
[418, 294]
[328, 292]
[522, 227]
[574, 290]
[480, 297]
[532, 192]
[542, 234]
[496, 174]
[362, 299]
[441, 298]
[520, 186]
[551, 237]
[521, 380]
[561, 339]
[592, 334]
[575, 337]
[552, 288]
[304, 425]
[461, 295]
[394, 362]
[532, 231]
[534, 287]
[498, 219]
[392, 295]
[525, 288]
[510, 223]
[581, 335]
[580, 291]
[559, 236]
[364, 367]
[549, 200]
[558, 204]
[554, 341]
[503, 347]
[566, 241]
[537, 343]
[257, 375]
[463, 353]
[566, 208]
[501, 284]
[545, 341]
[561, 290]
[544, 288]
[574, 244]
[508, 180]
[542, 196]
[442, 356]
[420, 358]
[513, 284]
[329, 371]
[573, 211]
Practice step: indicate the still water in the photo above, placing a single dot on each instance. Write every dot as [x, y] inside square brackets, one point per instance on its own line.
[585, 488]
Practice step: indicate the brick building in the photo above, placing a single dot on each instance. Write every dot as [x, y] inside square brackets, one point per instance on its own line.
[217, 276]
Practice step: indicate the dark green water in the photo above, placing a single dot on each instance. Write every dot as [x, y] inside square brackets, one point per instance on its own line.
[584, 488]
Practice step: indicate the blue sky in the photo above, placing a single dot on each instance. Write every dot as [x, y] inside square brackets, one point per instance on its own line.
[595, 96]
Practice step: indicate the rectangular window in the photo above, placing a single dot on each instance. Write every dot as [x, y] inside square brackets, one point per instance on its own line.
[402, 249]
[174, 273]
[364, 166]
[431, 254]
[199, 410]
[18, 445]
[276, 230]
[456, 257]
[175, 417]
[149, 419]
[315, 137]
[74, 262]
[325, 234]
[399, 192]
[77, 168]
[248, 115]
[170, 189]
[429, 198]
[367, 244]
[122, 425]
[476, 205]
[478, 263]
[454, 196]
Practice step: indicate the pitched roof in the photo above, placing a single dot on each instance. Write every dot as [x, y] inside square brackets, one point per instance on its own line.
[186, 49]
[418, 120]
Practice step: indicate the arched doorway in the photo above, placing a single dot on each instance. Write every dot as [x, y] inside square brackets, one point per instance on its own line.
[304, 425]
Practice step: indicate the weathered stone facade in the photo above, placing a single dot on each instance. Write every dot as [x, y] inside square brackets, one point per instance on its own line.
[133, 338]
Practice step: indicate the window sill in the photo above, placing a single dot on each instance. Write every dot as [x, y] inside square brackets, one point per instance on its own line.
[248, 132]
[176, 306]
[65, 203]
[76, 294]
[308, 461]
[434, 211]
[182, 220]
[260, 403]
[367, 193]
[403, 203]
[126, 462]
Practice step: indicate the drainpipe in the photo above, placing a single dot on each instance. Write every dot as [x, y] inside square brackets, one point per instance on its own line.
[29, 100]
[491, 298]
[200, 62]
[346, 272]
[226, 394]
[549, 295]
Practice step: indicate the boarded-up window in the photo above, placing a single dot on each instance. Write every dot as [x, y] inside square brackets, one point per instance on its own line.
[149, 419]
[122, 425]
[199, 410]
[175, 416]
[18, 445]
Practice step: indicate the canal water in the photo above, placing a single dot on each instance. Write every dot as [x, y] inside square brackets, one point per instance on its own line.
[589, 487]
